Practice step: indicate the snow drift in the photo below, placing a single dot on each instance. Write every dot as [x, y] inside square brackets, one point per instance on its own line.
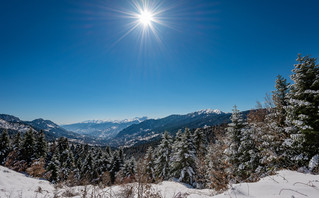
[284, 184]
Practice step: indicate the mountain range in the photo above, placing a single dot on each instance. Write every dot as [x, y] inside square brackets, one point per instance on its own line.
[103, 130]
[118, 133]
[153, 128]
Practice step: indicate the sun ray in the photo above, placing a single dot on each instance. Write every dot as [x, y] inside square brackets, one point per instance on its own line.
[146, 17]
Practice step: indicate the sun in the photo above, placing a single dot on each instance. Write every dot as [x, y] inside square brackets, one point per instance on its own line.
[146, 18]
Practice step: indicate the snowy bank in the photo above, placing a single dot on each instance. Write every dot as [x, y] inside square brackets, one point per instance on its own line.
[284, 184]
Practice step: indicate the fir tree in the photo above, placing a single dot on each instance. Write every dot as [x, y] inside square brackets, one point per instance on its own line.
[28, 147]
[302, 111]
[41, 146]
[17, 142]
[162, 162]
[129, 168]
[4, 146]
[53, 168]
[149, 165]
[247, 155]
[88, 168]
[234, 133]
[117, 162]
[200, 143]
[183, 161]
[279, 98]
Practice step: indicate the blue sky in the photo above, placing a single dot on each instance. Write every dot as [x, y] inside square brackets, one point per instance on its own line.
[63, 61]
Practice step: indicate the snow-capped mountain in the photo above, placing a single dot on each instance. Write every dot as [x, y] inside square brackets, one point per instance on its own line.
[152, 128]
[102, 129]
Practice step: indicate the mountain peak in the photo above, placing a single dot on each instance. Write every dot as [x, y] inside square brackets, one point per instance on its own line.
[209, 111]
[9, 118]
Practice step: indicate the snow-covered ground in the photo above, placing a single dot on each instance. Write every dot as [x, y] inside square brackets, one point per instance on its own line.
[284, 184]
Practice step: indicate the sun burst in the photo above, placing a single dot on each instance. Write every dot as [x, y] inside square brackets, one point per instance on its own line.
[146, 18]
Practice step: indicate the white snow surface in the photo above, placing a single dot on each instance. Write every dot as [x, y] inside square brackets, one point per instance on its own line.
[284, 184]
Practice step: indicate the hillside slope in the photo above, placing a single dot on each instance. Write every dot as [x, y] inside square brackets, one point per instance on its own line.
[50, 129]
[152, 129]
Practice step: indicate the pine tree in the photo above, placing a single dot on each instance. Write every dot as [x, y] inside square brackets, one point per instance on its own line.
[87, 170]
[271, 132]
[234, 133]
[17, 142]
[53, 168]
[129, 168]
[302, 111]
[200, 143]
[28, 147]
[41, 146]
[4, 146]
[117, 163]
[247, 155]
[279, 98]
[162, 162]
[183, 160]
[177, 140]
[149, 165]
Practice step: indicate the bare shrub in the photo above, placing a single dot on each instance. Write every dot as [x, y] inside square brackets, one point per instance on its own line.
[106, 179]
[37, 168]
[127, 191]
[150, 192]
[70, 193]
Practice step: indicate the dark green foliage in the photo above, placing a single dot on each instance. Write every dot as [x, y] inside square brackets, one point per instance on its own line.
[28, 147]
[17, 142]
[53, 169]
[183, 161]
[303, 101]
[234, 132]
[149, 165]
[41, 146]
[4, 146]
[162, 161]
[279, 98]
[200, 143]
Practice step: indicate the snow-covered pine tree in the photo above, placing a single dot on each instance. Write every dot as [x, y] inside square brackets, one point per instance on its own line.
[99, 161]
[149, 165]
[247, 155]
[234, 135]
[117, 162]
[162, 162]
[17, 142]
[88, 168]
[200, 143]
[302, 111]
[41, 146]
[270, 141]
[4, 146]
[279, 98]
[53, 168]
[183, 160]
[177, 139]
[28, 147]
[129, 169]
[108, 151]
